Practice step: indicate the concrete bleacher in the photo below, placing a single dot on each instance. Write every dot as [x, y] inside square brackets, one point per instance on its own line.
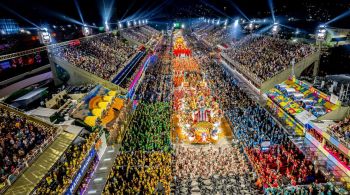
[26, 183]
[312, 59]
[79, 76]
[22, 182]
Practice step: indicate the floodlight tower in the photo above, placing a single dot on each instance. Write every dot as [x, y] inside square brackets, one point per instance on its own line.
[44, 36]
[86, 30]
[107, 26]
[275, 29]
[321, 36]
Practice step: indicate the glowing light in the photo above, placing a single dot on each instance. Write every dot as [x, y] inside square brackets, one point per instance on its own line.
[183, 26]
[274, 28]
[236, 23]
[86, 30]
[120, 25]
[106, 26]
[272, 9]
[251, 25]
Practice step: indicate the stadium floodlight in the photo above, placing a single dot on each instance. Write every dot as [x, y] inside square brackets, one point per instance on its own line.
[86, 30]
[236, 23]
[44, 36]
[321, 33]
[106, 26]
[251, 26]
[275, 29]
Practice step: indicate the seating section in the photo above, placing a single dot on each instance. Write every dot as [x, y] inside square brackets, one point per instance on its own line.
[266, 56]
[20, 140]
[102, 55]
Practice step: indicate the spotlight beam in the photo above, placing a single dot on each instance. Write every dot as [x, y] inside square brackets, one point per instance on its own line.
[127, 10]
[238, 9]
[18, 15]
[216, 9]
[272, 10]
[61, 16]
[343, 15]
[79, 11]
[265, 29]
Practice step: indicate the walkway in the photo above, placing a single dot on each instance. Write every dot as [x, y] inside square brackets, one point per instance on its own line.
[99, 178]
[33, 175]
[126, 70]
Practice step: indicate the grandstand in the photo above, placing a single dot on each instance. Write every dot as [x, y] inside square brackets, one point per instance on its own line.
[161, 101]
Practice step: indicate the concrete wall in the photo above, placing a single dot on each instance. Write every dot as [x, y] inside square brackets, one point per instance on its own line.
[79, 76]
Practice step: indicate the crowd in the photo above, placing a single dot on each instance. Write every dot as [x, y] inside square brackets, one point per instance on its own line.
[88, 176]
[304, 189]
[156, 85]
[204, 162]
[266, 56]
[60, 177]
[283, 164]
[336, 153]
[20, 141]
[342, 129]
[102, 55]
[144, 165]
[140, 172]
[218, 36]
[217, 184]
[139, 34]
[252, 123]
[149, 129]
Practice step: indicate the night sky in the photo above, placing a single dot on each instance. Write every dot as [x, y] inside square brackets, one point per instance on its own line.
[57, 11]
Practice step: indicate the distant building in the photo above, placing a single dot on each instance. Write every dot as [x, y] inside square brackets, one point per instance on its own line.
[8, 26]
